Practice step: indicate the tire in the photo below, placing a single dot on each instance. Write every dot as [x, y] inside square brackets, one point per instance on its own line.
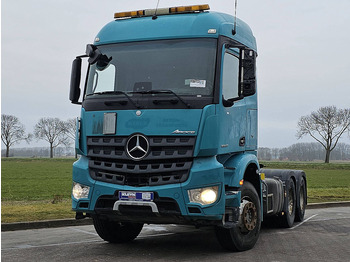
[116, 232]
[287, 220]
[300, 211]
[244, 234]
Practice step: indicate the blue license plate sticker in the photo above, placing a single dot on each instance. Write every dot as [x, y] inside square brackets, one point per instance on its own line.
[136, 196]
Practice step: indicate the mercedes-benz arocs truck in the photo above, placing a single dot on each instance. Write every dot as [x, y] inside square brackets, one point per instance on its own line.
[168, 130]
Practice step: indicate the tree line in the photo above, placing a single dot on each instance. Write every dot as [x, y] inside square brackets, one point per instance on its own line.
[52, 130]
[34, 151]
[304, 152]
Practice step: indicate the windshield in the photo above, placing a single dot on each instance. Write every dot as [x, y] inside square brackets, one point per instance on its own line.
[186, 67]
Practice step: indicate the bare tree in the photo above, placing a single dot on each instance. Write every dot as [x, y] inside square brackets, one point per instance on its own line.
[326, 126]
[70, 129]
[51, 130]
[12, 132]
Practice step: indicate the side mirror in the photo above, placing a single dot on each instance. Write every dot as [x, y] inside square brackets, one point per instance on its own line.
[248, 82]
[74, 93]
[95, 56]
[93, 53]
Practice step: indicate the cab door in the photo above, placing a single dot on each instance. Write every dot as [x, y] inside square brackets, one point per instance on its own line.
[232, 107]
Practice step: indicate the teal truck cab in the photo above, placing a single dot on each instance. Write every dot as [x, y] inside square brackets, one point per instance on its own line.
[168, 129]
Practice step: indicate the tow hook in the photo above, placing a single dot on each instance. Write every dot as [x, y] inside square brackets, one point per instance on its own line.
[231, 217]
[80, 215]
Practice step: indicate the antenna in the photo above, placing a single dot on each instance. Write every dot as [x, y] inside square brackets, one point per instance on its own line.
[155, 12]
[235, 24]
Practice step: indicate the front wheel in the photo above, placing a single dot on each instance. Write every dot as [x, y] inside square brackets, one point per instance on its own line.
[245, 233]
[116, 232]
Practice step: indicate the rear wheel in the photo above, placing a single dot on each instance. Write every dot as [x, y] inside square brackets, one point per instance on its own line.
[289, 215]
[116, 232]
[245, 233]
[300, 211]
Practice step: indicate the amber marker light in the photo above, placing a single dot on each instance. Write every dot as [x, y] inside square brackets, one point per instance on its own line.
[162, 11]
[191, 8]
[262, 176]
[129, 14]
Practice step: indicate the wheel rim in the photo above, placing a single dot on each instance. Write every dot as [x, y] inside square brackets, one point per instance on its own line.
[249, 216]
[302, 196]
[291, 201]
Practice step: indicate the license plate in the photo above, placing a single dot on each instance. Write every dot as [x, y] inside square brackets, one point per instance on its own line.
[136, 196]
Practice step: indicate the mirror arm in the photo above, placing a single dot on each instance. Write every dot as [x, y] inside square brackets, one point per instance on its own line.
[227, 102]
[81, 56]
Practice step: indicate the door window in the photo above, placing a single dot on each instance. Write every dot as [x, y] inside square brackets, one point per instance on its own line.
[230, 76]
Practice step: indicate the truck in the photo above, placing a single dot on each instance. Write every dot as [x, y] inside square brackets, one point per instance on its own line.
[168, 130]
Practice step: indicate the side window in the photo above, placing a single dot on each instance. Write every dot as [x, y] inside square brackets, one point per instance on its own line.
[230, 76]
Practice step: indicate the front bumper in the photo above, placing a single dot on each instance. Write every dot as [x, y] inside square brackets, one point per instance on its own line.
[172, 201]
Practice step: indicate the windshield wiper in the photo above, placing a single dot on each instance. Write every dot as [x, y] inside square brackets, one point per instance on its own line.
[117, 93]
[162, 92]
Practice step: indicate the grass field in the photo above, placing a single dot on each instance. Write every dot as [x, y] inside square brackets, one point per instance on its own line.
[325, 182]
[39, 189]
[35, 189]
[27, 179]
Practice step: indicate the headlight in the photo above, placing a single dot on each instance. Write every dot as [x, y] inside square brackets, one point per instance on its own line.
[203, 196]
[80, 191]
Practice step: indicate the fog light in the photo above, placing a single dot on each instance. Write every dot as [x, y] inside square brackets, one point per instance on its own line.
[203, 196]
[80, 191]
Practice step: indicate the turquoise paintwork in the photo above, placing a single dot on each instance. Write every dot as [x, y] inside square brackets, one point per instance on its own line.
[238, 163]
[175, 26]
[150, 122]
[218, 129]
[207, 138]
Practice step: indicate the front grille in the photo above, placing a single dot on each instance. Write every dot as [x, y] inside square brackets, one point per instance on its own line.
[168, 161]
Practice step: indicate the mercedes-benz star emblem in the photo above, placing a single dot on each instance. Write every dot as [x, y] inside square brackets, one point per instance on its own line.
[137, 147]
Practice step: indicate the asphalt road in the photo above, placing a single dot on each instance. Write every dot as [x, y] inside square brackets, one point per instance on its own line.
[323, 236]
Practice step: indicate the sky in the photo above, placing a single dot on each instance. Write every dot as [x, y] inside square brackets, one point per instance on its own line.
[303, 56]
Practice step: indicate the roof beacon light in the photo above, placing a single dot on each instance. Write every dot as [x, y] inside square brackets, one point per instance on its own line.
[163, 11]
